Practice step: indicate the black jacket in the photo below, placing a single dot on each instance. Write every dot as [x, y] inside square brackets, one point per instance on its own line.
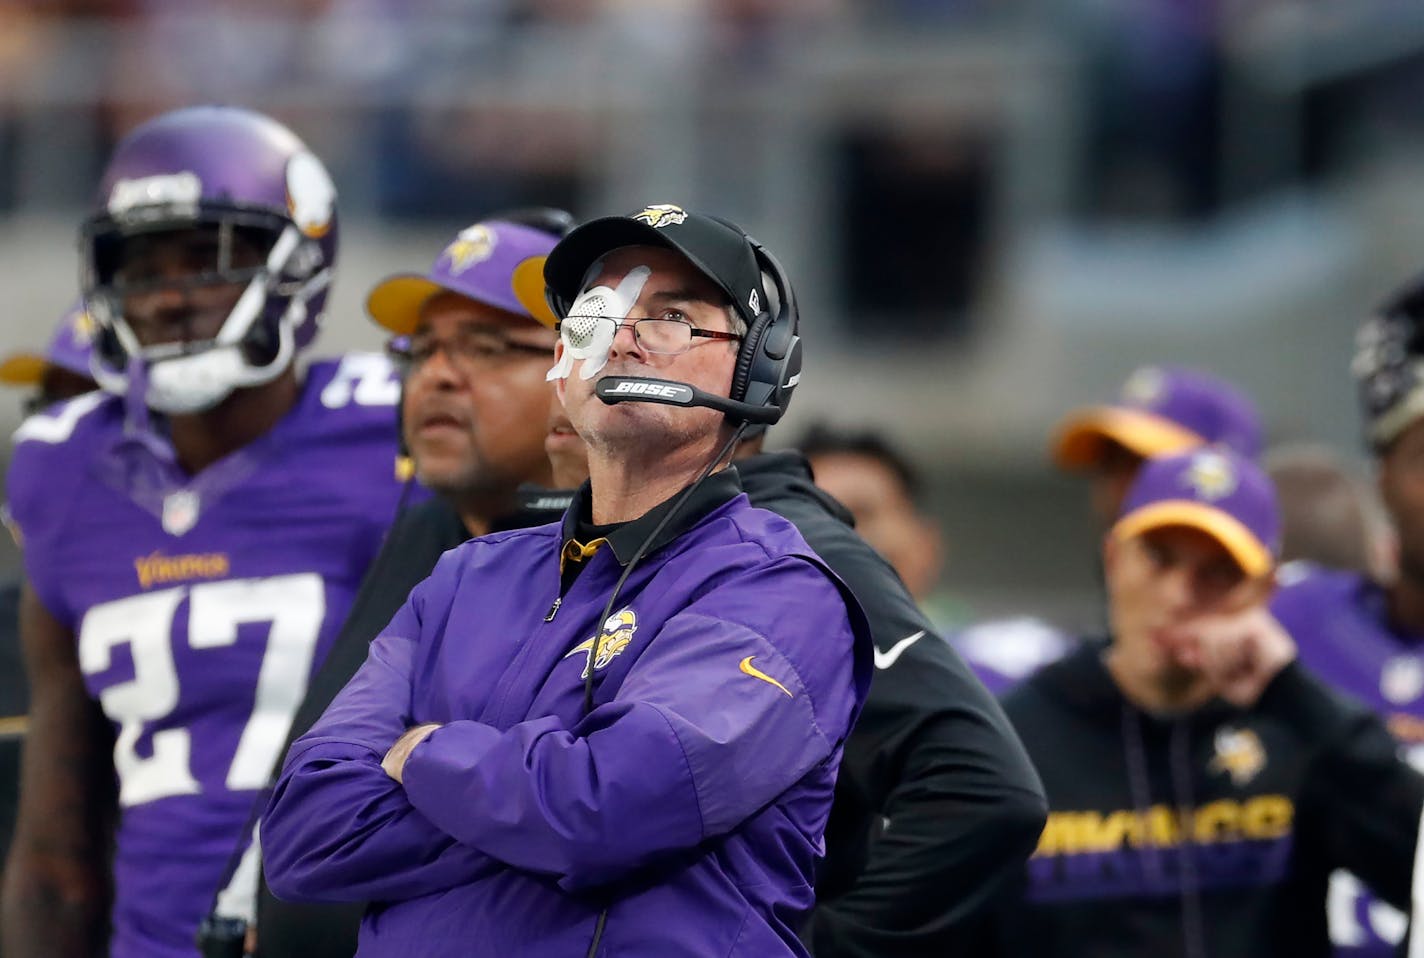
[932, 753]
[14, 705]
[1209, 834]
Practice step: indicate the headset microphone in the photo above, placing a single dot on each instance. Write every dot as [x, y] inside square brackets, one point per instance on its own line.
[616, 389]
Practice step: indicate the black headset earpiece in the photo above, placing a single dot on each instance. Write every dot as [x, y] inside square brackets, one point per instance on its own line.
[769, 362]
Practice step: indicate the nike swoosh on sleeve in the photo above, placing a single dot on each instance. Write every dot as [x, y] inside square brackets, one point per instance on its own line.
[883, 660]
[756, 673]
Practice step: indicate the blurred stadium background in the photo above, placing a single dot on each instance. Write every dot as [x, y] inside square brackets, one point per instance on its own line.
[994, 209]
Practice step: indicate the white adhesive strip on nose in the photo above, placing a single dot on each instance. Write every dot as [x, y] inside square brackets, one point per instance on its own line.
[586, 335]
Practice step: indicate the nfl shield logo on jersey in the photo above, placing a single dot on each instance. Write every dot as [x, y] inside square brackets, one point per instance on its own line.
[1402, 679]
[180, 512]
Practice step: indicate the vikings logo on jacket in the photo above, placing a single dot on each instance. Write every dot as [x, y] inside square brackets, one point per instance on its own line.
[617, 632]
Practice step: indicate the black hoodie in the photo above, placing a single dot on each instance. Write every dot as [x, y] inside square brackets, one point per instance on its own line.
[1212, 833]
[932, 753]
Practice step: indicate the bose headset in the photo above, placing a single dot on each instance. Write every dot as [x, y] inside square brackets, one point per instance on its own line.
[768, 364]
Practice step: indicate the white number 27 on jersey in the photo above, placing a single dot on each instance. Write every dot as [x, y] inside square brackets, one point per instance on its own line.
[293, 606]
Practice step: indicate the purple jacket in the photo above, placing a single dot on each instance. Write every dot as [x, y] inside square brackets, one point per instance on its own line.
[689, 803]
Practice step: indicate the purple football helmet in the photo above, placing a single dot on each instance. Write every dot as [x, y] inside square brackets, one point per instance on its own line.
[239, 176]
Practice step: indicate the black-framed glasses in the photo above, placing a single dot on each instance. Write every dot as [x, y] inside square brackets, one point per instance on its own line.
[469, 346]
[667, 337]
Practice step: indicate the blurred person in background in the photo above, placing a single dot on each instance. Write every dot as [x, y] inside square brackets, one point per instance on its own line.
[1361, 633]
[885, 496]
[935, 804]
[473, 362]
[60, 372]
[192, 537]
[1328, 517]
[1202, 783]
[1160, 410]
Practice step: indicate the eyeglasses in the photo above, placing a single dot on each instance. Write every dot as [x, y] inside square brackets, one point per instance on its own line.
[667, 337]
[470, 347]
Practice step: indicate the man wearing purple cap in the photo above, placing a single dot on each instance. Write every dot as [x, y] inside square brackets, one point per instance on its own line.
[1202, 784]
[473, 361]
[1361, 634]
[62, 371]
[1160, 410]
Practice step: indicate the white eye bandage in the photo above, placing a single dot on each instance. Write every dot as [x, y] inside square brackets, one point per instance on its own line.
[586, 332]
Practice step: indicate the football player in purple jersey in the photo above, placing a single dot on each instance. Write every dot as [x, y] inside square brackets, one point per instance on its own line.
[192, 536]
[1367, 636]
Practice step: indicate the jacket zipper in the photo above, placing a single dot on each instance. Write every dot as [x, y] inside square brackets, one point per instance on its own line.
[554, 609]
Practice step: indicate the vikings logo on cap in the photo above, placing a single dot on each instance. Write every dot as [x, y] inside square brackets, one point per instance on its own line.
[1239, 753]
[1211, 476]
[473, 245]
[1144, 387]
[617, 632]
[661, 214]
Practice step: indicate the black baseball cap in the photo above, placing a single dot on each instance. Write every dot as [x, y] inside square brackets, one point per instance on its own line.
[719, 250]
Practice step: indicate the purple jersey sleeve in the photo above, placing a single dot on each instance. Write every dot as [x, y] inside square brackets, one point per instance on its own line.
[1004, 652]
[1340, 623]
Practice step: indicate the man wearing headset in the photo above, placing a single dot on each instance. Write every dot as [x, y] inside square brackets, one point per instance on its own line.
[620, 731]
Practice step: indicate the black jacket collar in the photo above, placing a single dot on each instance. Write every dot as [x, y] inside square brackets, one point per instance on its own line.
[715, 491]
[769, 476]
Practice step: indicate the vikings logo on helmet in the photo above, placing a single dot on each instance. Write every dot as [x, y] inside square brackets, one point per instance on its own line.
[311, 196]
[661, 214]
[81, 326]
[1239, 753]
[473, 245]
[617, 632]
[1211, 476]
[1144, 387]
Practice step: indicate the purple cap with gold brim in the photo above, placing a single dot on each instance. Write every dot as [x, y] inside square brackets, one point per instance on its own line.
[1162, 410]
[68, 348]
[1214, 490]
[480, 262]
